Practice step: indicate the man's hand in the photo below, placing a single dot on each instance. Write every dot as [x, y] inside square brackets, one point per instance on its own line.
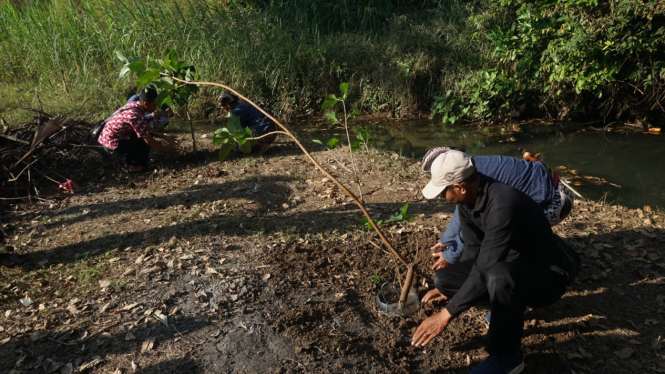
[157, 114]
[434, 296]
[440, 262]
[154, 144]
[431, 328]
[171, 140]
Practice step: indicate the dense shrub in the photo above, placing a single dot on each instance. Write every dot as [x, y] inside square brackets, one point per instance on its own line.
[566, 59]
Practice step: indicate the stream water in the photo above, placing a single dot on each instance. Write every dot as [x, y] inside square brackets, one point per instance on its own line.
[629, 161]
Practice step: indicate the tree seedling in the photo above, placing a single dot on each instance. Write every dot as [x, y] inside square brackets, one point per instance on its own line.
[401, 217]
[161, 73]
[376, 278]
[331, 100]
[231, 136]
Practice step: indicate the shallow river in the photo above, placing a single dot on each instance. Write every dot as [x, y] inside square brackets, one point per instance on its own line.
[630, 160]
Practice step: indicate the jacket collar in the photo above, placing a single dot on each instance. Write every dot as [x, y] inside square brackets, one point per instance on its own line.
[481, 201]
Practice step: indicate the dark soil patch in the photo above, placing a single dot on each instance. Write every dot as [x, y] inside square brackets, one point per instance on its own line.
[260, 265]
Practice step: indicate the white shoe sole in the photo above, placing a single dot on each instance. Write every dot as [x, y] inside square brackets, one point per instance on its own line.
[518, 369]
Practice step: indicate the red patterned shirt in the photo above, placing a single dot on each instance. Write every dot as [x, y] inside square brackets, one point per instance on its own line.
[131, 117]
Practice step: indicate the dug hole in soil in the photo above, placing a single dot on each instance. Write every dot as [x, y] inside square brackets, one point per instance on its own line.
[259, 265]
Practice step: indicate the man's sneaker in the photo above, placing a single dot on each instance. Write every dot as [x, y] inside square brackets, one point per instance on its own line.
[508, 364]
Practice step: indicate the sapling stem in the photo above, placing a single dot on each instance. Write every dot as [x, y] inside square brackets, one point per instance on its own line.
[353, 162]
[191, 128]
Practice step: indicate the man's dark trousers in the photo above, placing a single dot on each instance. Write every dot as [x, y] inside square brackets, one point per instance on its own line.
[133, 151]
[511, 287]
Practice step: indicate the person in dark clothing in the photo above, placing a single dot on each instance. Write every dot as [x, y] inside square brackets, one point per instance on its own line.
[251, 117]
[511, 259]
[533, 178]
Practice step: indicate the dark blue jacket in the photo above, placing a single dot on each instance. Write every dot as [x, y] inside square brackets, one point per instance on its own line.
[252, 118]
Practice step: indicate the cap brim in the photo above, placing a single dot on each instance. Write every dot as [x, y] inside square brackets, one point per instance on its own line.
[431, 190]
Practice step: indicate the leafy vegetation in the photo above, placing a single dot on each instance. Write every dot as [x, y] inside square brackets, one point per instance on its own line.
[285, 54]
[332, 143]
[486, 60]
[565, 59]
[364, 138]
[161, 73]
[401, 217]
[231, 136]
[376, 277]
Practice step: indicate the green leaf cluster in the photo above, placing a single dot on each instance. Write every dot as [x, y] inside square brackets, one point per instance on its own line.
[363, 135]
[231, 136]
[332, 143]
[568, 57]
[161, 72]
[364, 138]
[376, 277]
[401, 217]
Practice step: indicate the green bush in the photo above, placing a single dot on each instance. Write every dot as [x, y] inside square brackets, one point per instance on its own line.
[568, 59]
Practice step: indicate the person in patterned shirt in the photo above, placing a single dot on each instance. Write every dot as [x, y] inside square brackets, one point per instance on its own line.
[128, 134]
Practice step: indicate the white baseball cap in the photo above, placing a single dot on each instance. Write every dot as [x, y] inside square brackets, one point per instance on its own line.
[448, 168]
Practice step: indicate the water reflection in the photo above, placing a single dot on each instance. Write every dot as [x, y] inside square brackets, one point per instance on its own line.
[630, 160]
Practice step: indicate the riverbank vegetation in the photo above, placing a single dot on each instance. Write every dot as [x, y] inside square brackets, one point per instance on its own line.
[285, 54]
[585, 60]
[478, 60]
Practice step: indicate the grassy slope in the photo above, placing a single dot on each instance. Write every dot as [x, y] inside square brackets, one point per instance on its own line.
[287, 56]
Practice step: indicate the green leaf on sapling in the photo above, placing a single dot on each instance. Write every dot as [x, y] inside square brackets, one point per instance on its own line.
[124, 72]
[121, 57]
[344, 87]
[234, 124]
[147, 77]
[246, 147]
[224, 150]
[329, 101]
[359, 133]
[331, 116]
[164, 97]
[333, 143]
[137, 67]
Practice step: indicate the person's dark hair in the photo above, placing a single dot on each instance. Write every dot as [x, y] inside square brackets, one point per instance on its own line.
[227, 98]
[148, 93]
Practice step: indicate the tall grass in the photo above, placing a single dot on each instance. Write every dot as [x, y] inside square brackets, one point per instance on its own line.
[287, 54]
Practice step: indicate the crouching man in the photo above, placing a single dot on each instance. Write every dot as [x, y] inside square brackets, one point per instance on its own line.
[128, 134]
[511, 259]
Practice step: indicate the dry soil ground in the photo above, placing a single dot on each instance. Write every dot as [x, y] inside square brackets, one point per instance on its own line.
[259, 265]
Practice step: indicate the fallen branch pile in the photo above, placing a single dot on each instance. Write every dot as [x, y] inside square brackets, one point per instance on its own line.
[42, 154]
